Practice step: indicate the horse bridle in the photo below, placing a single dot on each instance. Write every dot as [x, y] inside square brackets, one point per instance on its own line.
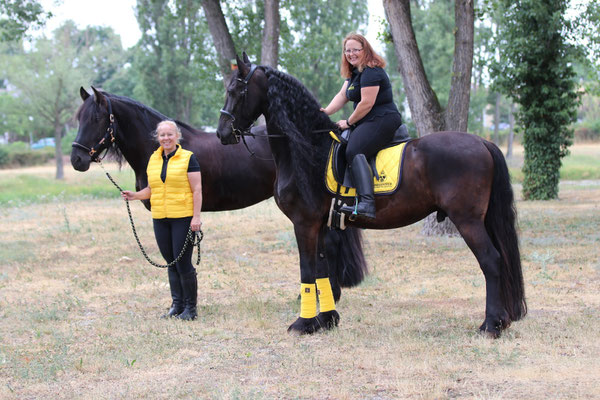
[245, 81]
[94, 151]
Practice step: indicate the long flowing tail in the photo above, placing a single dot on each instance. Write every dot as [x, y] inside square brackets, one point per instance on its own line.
[500, 223]
[347, 264]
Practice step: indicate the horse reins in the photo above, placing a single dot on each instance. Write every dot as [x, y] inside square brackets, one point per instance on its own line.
[192, 238]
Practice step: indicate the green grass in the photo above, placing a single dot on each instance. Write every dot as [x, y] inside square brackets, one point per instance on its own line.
[574, 167]
[579, 167]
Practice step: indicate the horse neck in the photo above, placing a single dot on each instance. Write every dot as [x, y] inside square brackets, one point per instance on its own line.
[133, 139]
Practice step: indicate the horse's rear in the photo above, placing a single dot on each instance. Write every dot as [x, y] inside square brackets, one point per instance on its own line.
[441, 172]
[465, 178]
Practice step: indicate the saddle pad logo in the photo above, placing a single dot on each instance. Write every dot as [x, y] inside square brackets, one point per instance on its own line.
[389, 168]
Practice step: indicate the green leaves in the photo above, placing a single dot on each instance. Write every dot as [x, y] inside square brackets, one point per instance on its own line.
[536, 71]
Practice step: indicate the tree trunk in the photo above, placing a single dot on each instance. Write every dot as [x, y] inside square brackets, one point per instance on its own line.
[511, 131]
[497, 120]
[270, 40]
[457, 112]
[58, 155]
[424, 105]
[221, 37]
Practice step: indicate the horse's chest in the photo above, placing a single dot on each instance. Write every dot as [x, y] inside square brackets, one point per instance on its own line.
[286, 191]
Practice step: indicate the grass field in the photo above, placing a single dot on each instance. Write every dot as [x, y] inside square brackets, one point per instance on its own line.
[79, 307]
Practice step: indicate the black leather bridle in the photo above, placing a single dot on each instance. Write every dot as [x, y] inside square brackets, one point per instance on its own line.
[107, 139]
[245, 131]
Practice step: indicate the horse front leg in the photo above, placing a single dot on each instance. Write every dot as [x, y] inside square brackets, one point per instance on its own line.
[307, 238]
[328, 317]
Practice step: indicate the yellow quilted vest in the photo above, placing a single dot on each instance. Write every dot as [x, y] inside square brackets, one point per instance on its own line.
[172, 198]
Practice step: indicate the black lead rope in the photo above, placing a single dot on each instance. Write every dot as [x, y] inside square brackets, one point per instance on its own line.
[192, 237]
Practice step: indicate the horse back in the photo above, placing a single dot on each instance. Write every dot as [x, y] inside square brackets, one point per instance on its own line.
[457, 168]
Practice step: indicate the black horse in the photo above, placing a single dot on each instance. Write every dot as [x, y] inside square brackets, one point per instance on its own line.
[457, 175]
[232, 177]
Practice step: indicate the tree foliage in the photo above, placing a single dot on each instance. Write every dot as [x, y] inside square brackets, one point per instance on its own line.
[538, 75]
[312, 42]
[172, 75]
[174, 62]
[18, 16]
[47, 78]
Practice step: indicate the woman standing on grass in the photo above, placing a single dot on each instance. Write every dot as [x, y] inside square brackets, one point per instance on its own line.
[175, 193]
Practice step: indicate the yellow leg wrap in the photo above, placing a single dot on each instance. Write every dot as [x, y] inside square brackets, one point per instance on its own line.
[326, 301]
[308, 300]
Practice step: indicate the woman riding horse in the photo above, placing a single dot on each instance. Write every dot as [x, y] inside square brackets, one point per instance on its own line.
[456, 174]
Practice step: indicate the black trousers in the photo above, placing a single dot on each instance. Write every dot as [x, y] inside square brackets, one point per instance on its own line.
[371, 136]
[170, 235]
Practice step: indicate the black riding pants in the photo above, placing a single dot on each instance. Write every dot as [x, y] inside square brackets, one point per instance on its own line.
[371, 136]
[170, 235]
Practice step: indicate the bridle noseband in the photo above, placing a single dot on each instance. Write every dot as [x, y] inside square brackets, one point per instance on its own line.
[94, 152]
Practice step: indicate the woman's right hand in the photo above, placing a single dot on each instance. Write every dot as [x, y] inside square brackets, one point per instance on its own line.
[128, 195]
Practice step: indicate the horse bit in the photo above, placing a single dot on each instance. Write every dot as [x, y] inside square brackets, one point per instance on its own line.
[110, 131]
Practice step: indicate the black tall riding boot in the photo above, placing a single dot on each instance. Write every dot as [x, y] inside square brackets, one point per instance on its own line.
[362, 176]
[189, 283]
[176, 294]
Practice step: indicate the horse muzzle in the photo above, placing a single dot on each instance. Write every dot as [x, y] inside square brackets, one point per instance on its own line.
[80, 163]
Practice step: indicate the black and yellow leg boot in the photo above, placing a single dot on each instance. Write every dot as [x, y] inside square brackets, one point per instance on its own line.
[328, 317]
[189, 283]
[177, 305]
[363, 180]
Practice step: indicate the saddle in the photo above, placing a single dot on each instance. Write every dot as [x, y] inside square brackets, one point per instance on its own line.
[386, 165]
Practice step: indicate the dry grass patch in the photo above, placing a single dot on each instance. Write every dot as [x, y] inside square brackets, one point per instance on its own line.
[77, 321]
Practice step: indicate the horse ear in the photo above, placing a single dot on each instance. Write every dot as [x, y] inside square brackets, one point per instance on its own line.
[245, 58]
[83, 93]
[242, 67]
[99, 97]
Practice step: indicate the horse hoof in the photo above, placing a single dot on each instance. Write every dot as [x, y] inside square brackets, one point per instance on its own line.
[304, 326]
[328, 319]
[491, 332]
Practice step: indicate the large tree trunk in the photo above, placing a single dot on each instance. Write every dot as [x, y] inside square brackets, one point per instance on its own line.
[424, 105]
[270, 40]
[457, 112]
[423, 102]
[221, 36]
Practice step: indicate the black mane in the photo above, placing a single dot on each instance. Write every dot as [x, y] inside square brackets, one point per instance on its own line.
[296, 111]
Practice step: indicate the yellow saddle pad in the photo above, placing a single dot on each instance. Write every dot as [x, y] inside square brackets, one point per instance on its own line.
[389, 168]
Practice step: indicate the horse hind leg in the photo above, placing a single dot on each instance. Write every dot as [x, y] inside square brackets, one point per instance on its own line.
[489, 259]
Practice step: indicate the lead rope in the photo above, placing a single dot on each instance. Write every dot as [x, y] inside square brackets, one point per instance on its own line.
[190, 238]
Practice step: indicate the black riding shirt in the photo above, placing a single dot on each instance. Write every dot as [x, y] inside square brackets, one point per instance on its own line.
[193, 165]
[384, 102]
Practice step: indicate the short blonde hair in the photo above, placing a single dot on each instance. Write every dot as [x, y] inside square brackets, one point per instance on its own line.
[170, 123]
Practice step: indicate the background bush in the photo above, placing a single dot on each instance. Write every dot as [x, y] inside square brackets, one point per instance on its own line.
[18, 154]
[588, 131]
